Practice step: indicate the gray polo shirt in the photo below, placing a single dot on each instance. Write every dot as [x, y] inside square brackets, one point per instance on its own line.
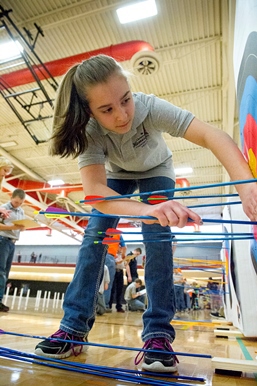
[142, 152]
[130, 291]
[16, 214]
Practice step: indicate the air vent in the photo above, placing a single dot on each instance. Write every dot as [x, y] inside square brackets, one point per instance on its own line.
[145, 63]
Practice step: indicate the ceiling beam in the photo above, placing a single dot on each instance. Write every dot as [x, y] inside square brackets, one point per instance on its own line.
[20, 165]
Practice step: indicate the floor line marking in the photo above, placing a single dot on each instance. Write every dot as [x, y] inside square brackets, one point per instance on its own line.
[246, 353]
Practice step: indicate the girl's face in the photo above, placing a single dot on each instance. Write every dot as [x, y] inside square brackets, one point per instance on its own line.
[5, 170]
[112, 105]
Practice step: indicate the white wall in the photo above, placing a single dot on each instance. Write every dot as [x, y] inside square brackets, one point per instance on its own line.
[31, 237]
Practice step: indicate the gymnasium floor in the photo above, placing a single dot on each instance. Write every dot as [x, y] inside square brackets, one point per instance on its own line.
[195, 334]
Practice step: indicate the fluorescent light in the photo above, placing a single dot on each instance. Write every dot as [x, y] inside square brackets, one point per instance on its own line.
[10, 51]
[8, 144]
[183, 171]
[137, 11]
[56, 182]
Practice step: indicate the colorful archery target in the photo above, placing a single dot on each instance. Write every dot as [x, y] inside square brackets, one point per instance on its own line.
[247, 102]
[240, 297]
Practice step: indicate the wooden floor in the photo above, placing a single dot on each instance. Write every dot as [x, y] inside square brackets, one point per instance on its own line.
[195, 334]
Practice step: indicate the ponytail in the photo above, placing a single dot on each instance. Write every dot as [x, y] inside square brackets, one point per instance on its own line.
[71, 116]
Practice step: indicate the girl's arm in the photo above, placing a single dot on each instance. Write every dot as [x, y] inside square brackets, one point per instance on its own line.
[230, 156]
[169, 213]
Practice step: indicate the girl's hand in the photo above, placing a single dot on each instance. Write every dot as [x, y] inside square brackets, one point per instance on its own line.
[170, 213]
[248, 195]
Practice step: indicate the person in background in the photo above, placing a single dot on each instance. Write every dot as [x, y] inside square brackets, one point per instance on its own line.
[216, 291]
[117, 136]
[101, 306]
[216, 301]
[117, 247]
[143, 261]
[118, 282]
[187, 300]
[111, 265]
[19, 257]
[6, 168]
[135, 299]
[33, 257]
[131, 271]
[179, 290]
[9, 234]
[110, 261]
[195, 296]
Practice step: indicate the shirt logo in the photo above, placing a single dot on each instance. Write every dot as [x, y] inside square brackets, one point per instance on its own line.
[142, 139]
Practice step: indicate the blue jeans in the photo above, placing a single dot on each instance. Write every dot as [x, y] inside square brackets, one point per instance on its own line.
[6, 256]
[81, 295]
[187, 301]
[137, 303]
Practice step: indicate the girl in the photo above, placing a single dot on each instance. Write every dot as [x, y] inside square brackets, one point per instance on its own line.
[117, 137]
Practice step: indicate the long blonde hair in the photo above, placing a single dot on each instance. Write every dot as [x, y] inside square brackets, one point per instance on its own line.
[4, 162]
[72, 111]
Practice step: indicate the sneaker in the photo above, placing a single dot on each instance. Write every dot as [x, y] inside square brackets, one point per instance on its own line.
[60, 349]
[121, 310]
[216, 315]
[157, 362]
[3, 308]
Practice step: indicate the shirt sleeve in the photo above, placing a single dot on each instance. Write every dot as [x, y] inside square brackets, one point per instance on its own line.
[168, 118]
[122, 242]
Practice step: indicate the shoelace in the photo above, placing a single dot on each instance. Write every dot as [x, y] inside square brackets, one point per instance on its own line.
[64, 335]
[155, 344]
